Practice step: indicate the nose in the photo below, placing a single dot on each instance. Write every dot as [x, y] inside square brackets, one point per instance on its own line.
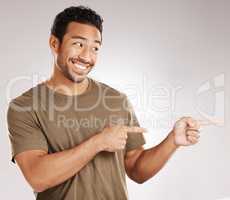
[85, 54]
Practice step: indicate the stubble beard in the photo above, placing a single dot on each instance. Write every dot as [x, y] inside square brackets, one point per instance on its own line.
[67, 73]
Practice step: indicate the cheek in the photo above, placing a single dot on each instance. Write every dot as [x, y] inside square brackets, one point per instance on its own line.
[60, 59]
[94, 57]
[70, 53]
[73, 51]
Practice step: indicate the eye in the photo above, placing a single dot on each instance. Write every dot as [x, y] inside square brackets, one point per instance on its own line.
[78, 44]
[95, 49]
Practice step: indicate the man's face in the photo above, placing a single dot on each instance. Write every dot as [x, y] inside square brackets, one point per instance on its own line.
[78, 51]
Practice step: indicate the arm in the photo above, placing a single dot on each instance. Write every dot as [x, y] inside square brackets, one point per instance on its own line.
[43, 170]
[142, 164]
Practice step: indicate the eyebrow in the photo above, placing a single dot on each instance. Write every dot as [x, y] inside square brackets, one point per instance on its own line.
[83, 38]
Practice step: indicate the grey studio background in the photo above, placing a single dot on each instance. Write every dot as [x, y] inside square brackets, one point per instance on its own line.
[170, 57]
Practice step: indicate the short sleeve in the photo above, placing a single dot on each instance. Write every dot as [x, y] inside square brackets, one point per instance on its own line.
[134, 140]
[24, 133]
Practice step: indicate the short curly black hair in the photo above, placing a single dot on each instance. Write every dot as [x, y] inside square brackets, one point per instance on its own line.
[81, 14]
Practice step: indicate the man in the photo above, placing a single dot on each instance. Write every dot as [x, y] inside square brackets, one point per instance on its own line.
[74, 137]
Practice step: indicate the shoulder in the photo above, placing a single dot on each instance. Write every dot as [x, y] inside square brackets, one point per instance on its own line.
[22, 104]
[26, 98]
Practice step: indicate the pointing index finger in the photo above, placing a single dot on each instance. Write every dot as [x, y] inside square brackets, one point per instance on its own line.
[208, 122]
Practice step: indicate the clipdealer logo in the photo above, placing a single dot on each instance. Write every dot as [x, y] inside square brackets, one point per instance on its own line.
[210, 100]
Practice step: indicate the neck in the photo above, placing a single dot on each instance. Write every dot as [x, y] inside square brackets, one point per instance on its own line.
[60, 83]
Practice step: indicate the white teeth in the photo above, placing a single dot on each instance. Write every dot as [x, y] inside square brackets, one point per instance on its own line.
[80, 66]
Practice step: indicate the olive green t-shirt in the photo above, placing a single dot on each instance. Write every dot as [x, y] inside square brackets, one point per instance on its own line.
[42, 118]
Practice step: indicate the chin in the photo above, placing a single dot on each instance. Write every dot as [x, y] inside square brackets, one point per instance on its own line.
[76, 78]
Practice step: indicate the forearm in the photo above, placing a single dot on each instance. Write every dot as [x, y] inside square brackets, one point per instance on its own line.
[152, 160]
[53, 169]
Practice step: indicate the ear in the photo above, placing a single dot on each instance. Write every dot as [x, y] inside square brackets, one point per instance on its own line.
[54, 44]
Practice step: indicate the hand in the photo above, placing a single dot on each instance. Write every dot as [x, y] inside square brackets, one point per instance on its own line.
[113, 138]
[186, 131]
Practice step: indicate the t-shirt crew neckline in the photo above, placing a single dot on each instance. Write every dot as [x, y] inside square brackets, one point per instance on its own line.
[61, 95]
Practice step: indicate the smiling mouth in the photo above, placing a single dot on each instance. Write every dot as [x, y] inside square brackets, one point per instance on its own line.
[82, 67]
[79, 66]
